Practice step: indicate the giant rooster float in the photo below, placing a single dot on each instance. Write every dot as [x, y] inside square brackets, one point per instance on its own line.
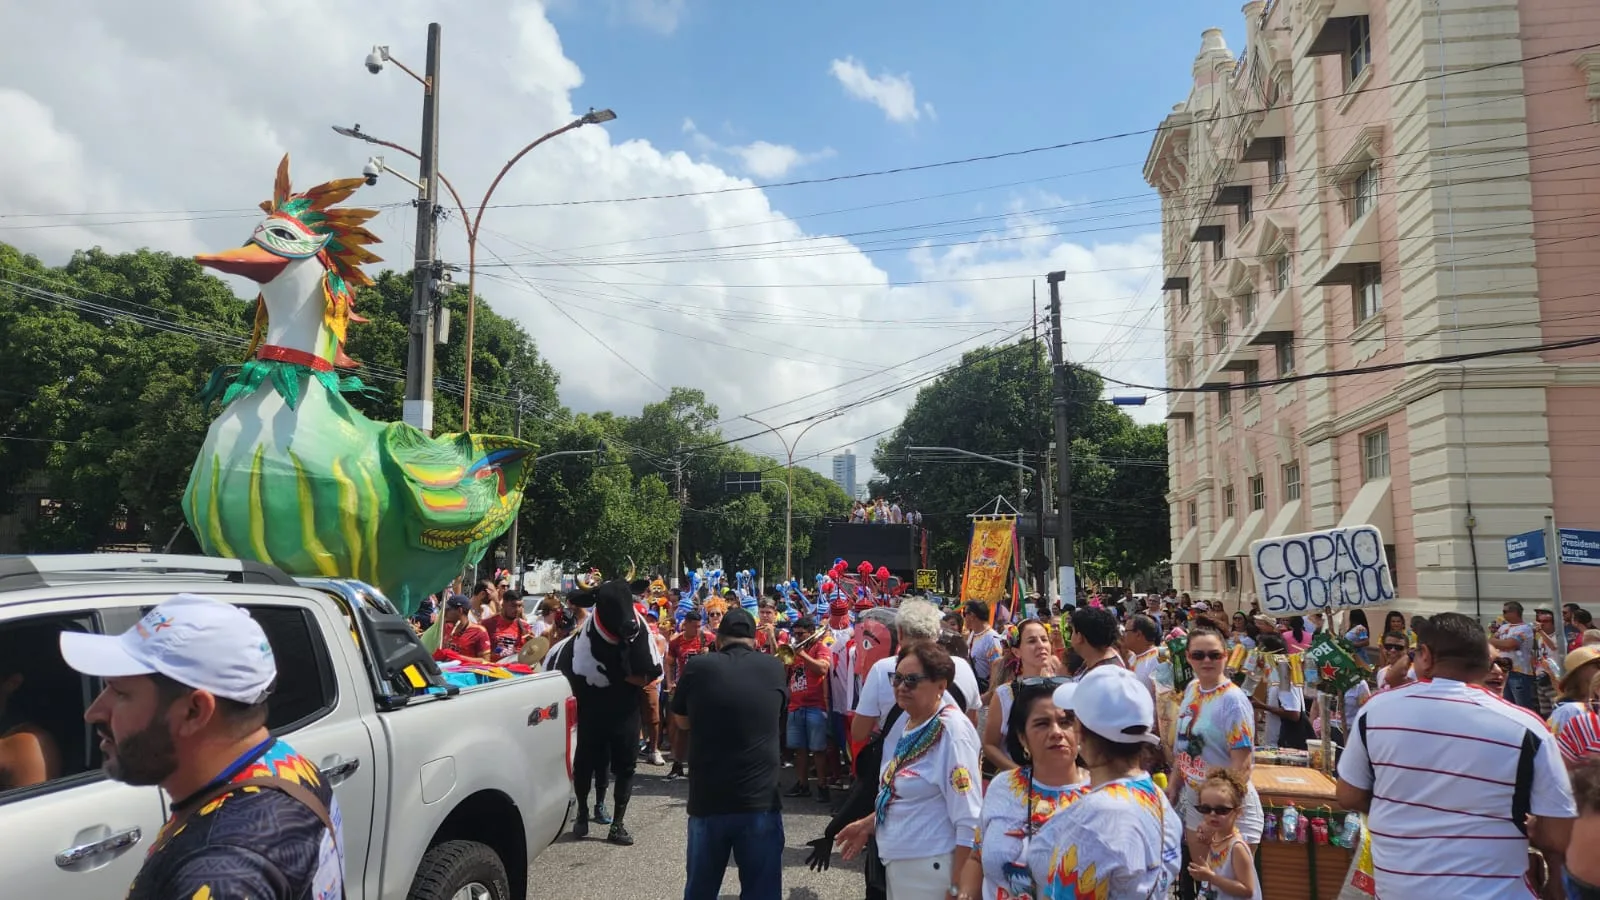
[290, 473]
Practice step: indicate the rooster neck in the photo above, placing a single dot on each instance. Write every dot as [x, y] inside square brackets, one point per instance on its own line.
[295, 310]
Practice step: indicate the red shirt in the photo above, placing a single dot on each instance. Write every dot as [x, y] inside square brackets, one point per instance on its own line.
[680, 648]
[507, 635]
[808, 688]
[466, 639]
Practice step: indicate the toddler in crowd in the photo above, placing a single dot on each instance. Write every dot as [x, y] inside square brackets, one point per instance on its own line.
[1229, 869]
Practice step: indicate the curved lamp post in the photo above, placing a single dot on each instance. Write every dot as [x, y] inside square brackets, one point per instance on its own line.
[374, 62]
[788, 484]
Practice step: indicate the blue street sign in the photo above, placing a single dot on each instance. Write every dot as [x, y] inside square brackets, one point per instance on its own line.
[1580, 547]
[1526, 550]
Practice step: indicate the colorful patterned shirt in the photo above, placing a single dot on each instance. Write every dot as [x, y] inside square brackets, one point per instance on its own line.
[1211, 725]
[255, 842]
[1522, 657]
[1003, 839]
[1119, 841]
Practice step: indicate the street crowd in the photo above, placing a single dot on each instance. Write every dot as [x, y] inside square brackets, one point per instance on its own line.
[970, 751]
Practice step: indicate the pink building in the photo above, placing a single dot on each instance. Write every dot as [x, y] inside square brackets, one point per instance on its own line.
[1380, 183]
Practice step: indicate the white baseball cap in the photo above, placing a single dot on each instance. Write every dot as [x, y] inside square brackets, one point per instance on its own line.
[1113, 703]
[199, 642]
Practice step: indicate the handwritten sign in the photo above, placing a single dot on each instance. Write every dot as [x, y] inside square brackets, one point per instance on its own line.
[1341, 568]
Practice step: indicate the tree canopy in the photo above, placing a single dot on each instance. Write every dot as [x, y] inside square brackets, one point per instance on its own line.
[996, 401]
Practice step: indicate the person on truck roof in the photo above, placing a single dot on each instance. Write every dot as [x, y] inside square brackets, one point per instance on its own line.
[185, 707]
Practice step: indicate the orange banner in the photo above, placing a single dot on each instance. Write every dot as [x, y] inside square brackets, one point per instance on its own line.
[988, 559]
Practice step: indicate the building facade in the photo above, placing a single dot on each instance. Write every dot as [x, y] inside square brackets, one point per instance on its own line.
[844, 472]
[1373, 185]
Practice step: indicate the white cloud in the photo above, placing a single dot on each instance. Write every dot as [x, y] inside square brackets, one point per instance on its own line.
[188, 106]
[894, 94]
[661, 16]
[762, 159]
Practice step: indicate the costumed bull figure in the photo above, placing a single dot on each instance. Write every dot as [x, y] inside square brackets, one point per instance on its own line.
[610, 658]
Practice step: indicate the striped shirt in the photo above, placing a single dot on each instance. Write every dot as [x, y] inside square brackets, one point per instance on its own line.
[1441, 759]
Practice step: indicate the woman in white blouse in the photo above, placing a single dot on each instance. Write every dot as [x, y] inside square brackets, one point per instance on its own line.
[1020, 801]
[1037, 661]
[929, 792]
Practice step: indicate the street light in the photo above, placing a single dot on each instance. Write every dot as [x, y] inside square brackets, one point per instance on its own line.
[788, 474]
[374, 62]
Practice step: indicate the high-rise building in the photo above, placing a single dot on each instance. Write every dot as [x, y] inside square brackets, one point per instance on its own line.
[844, 471]
[1370, 187]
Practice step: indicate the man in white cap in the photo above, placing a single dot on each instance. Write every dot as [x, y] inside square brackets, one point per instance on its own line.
[185, 707]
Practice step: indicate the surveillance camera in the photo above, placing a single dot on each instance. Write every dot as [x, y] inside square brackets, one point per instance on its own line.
[372, 170]
[375, 60]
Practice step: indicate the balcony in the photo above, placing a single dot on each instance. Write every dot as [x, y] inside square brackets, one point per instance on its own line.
[1359, 246]
[1329, 21]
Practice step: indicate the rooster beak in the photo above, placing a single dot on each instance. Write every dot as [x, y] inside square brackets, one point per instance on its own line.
[251, 261]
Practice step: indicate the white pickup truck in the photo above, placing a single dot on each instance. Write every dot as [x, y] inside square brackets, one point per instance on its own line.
[445, 792]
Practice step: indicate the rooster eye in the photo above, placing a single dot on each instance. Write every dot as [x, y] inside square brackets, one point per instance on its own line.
[282, 234]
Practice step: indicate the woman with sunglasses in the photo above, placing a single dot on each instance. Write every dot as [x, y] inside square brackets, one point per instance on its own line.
[1019, 801]
[1122, 837]
[1037, 660]
[1216, 730]
[929, 800]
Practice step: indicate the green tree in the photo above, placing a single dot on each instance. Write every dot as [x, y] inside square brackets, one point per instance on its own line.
[996, 401]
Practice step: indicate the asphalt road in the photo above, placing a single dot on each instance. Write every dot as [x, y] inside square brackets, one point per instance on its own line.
[653, 868]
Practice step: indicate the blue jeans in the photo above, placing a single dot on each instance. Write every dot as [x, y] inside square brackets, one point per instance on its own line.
[807, 729]
[1523, 691]
[756, 842]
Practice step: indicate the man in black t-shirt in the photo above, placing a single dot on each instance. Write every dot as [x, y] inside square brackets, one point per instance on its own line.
[730, 703]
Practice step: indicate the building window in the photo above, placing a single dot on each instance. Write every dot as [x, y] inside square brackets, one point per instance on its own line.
[1358, 49]
[1224, 404]
[1185, 370]
[1188, 429]
[1219, 335]
[1230, 572]
[1361, 194]
[1285, 348]
[1194, 576]
[1244, 213]
[1227, 502]
[1368, 290]
[1280, 274]
[1277, 164]
[1193, 510]
[1183, 297]
[1247, 308]
[1291, 482]
[1375, 454]
[1217, 250]
[1258, 492]
[1251, 374]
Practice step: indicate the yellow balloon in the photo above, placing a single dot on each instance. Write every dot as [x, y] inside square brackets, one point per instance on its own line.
[1160, 779]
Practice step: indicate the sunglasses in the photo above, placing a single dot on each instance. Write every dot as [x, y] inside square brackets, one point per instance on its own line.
[1502, 663]
[1043, 681]
[1394, 648]
[1203, 655]
[1205, 810]
[909, 682]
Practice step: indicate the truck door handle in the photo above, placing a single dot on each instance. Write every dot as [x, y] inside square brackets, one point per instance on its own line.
[113, 843]
[340, 770]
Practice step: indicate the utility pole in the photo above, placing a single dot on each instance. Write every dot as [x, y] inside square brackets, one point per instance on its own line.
[677, 493]
[419, 358]
[1066, 575]
[511, 554]
[1044, 464]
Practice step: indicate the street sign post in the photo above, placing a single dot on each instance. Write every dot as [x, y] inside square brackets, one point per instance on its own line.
[1526, 550]
[927, 579]
[741, 482]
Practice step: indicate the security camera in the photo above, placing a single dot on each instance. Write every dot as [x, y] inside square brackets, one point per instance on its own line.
[375, 59]
[372, 170]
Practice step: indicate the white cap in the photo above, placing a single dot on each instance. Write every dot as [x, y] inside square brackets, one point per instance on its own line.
[196, 641]
[1113, 703]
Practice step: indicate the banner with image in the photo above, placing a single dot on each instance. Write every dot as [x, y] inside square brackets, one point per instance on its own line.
[1336, 569]
[988, 559]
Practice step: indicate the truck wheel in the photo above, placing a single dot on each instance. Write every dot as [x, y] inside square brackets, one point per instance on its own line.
[461, 870]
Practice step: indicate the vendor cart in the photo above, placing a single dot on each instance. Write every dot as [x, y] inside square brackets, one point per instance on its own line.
[1290, 869]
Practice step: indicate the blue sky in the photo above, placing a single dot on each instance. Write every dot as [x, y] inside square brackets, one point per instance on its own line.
[998, 76]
